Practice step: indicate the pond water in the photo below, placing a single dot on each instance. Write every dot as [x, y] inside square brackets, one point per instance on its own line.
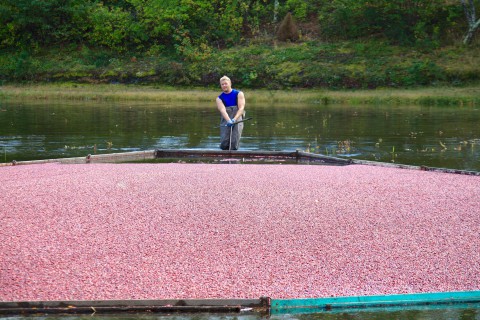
[446, 137]
[471, 312]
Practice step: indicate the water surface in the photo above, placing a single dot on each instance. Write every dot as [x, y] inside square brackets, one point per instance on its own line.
[463, 312]
[446, 137]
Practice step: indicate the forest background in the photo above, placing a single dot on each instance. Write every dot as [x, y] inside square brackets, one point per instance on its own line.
[272, 44]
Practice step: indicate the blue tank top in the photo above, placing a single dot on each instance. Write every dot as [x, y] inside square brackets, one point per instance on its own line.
[229, 99]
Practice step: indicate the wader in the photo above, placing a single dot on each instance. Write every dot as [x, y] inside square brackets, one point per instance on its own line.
[227, 141]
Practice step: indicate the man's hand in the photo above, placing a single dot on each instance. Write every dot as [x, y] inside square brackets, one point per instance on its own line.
[231, 123]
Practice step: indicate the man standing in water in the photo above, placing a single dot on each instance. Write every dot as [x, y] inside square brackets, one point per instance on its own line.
[231, 104]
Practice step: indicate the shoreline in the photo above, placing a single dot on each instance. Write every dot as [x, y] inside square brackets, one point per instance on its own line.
[455, 96]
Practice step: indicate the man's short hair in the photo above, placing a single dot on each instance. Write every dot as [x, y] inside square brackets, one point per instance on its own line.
[225, 78]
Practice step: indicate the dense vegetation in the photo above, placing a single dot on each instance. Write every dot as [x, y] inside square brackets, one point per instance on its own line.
[334, 43]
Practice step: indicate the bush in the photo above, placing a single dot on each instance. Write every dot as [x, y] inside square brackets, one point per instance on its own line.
[288, 30]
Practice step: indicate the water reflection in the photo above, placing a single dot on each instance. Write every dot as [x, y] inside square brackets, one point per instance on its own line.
[471, 312]
[432, 136]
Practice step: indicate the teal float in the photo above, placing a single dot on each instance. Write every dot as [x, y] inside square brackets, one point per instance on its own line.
[417, 300]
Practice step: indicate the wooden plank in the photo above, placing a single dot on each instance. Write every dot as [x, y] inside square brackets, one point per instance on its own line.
[241, 154]
[185, 153]
[120, 306]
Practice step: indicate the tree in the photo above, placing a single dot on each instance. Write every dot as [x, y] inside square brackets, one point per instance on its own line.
[190, 27]
[403, 22]
[42, 22]
[473, 23]
[115, 28]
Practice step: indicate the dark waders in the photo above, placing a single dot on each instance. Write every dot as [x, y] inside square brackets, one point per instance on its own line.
[230, 136]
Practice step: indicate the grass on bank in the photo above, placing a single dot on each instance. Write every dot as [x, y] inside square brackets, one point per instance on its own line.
[458, 96]
[342, 65]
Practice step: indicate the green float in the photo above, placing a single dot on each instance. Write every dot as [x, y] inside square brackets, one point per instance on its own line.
[403, 301]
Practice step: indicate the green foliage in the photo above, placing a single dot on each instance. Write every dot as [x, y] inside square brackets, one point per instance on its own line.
[115, 28]
[402, 22]
[189, 27]
[41, 22]
[299, 8]
[424, 72]
[343, 65]
[192, 28]
[258, 17]
[361, 43]
[8, 37]
[20, 66]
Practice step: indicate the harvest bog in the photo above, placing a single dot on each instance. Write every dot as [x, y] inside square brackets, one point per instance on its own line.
[199, 231]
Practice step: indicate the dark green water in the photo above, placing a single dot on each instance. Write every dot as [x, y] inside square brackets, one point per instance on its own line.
[446, 137]
[471, 312]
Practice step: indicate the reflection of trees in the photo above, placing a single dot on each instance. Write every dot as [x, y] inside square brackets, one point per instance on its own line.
[415, 133]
